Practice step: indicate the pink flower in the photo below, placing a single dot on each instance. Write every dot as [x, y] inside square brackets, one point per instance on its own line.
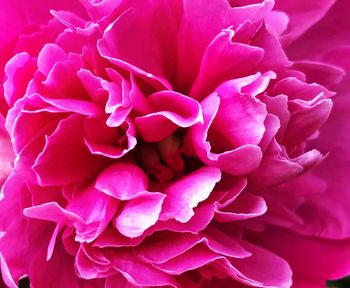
[174, 143]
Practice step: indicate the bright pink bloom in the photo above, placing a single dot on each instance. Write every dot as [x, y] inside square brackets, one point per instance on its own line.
[174, 143]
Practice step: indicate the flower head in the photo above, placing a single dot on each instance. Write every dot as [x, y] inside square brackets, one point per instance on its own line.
[167, 144]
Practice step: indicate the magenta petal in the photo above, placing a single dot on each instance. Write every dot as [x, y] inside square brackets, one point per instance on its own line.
[118, 279]
[49, 56]
[119, 101]
[99, 9]
[140, 273]
[240, 117]
[197, 30]
[29, 126]
[202, 217]
[93, 86]
[173, 143]
[73, 105]
[185, 194]
[334, 27]
[96, 209]
[51, 211]
[306, 118]
[89, 266]
[322, 73]
[139, 214]
[302, 17]
[194, 258]
[6, 274]
[111, 238]
[6, 154]
[269, 269]
[172, 110]
[73, 162]
[47, 273]
[278, 106]
[19, 71]
[224, 59]
[309, 266]
[223, 244]
[125, 52]
[122, 181]
[275, 167]
[274, 56]
[112, 142]
[17, 16]
[245, 206]
[156, 248]
[237, 161]
[62, 81]
[278, 21]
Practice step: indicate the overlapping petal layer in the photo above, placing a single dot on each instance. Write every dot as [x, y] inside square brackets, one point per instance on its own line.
[173, 144]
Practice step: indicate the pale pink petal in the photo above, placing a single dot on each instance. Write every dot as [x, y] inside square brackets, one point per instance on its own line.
[122, 181]
[185, 194]
[139, 214]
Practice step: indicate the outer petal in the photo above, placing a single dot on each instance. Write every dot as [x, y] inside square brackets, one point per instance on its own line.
[74, 162]
[302, 16]
[320, 259]
[6, 154]
[197, 30]
[147, 49]
[224, 59]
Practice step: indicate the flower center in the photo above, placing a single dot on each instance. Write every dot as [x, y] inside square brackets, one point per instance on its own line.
[161, 160]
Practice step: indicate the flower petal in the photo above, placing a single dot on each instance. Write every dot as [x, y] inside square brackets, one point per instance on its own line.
[139, 214]
[185, 194]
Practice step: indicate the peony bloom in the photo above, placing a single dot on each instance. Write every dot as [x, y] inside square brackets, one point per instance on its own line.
[174, 143]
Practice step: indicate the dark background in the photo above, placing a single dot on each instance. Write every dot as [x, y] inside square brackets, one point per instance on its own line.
[343, 283]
